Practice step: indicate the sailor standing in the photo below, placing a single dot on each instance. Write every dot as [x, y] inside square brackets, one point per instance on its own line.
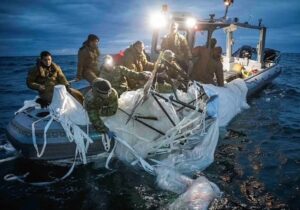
[178, 44]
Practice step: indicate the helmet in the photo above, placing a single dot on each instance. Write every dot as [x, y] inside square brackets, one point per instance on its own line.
[168, 56]
[101, 86]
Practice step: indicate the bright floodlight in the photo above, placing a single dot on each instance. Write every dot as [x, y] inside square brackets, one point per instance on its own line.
[108, 61]
[190, 22]
[158, 20]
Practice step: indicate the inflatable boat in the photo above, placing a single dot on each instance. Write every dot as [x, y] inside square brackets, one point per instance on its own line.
[251, 68]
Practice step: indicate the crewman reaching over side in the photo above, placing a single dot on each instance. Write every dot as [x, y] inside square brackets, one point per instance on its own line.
[101, 101]
[171, 74]
[178, 44]
[44, 76]
[118, 75]
[135, 59]
[88, 59]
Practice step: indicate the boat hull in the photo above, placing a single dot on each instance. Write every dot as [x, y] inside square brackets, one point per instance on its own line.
[258, 81]
[19, 134]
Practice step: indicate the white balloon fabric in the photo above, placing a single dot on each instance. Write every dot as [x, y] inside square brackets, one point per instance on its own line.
[231, 99]
[62, 101]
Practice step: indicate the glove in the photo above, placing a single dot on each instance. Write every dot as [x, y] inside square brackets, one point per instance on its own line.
[146, 75]
[111, 135]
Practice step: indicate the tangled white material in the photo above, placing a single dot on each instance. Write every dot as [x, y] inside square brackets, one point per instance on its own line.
[180, 133]
[70, 114]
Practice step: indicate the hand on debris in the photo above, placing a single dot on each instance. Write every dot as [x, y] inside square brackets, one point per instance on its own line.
[146, 74]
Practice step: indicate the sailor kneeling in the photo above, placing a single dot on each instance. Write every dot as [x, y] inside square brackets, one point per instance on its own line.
[170, 75]
[118, 76]
[101, 101]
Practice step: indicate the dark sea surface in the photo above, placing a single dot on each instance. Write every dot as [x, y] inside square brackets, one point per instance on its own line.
[268, 153]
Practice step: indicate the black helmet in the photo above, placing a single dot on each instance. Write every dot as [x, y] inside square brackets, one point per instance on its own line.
[101, 86]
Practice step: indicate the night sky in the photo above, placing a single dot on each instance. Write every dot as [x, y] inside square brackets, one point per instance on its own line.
[60, 26]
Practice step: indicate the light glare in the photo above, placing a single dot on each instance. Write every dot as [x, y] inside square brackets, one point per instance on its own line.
[191, 22]
[158, 20]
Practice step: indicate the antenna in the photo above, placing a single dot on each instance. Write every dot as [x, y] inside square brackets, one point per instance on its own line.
[227, 3]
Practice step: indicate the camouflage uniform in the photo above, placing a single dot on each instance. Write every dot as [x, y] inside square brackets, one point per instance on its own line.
[40, 77]
[118, 77]
[177, 43]
[164, 87]
[98, 107]
[88, 63]
[170, 77]
[137, 62]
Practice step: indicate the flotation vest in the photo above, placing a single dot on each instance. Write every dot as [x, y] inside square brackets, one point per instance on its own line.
[246, 73]
[118, 57]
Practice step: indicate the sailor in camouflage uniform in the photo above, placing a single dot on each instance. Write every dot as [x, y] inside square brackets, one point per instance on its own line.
[178, 44]
[170, 75]
[101, 101]
[118, 75]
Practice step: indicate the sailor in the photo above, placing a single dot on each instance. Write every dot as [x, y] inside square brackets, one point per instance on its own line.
[88, 59]
[212, 43]
[118, 75]
[203, 55]
[44, 76]
[214, 69]
[216, 66]
[135, 59]
[170, 72]
[101, 101]
[178, 44]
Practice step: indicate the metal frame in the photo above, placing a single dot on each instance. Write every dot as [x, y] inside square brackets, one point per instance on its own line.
[210, 25]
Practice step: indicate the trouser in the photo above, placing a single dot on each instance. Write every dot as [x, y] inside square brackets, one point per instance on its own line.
[76, 94]
[45, 100]
[90, 75]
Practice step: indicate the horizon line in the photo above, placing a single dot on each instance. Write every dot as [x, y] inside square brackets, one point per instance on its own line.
[9, 56]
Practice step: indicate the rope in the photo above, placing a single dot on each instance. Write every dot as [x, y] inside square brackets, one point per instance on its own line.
[146, 166]
[9, 159]
[21, 178]
[38, 154]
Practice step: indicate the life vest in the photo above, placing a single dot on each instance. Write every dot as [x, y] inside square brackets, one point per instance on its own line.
[118, 57]
[246, 73]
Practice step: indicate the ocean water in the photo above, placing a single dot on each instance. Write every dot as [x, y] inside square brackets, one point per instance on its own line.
[267, 154]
